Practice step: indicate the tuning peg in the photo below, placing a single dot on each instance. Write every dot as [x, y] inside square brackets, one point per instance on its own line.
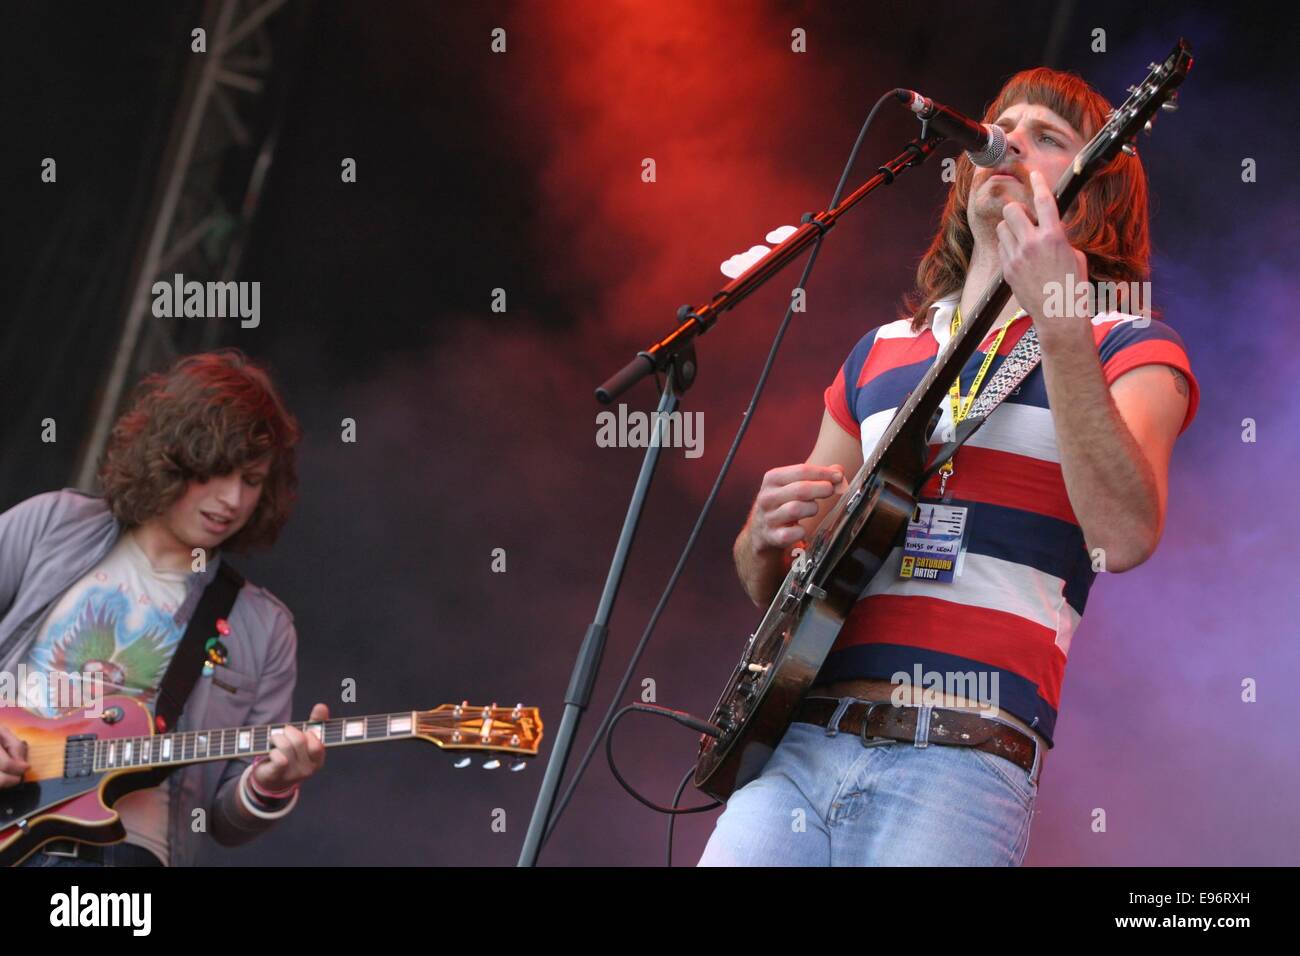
[1146, 127]
[491, 763]
[1129, 149]
[462, 763]
[1170, 105]
[518, 765]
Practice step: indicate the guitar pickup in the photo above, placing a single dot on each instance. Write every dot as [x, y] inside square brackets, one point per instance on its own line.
[79, 756]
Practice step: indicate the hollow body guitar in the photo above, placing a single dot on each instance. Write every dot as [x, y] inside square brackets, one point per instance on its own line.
[783, 656]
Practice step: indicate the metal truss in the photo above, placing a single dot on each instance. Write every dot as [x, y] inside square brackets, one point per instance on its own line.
[218, 153]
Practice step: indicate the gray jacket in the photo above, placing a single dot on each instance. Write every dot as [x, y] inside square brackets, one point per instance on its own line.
[48, 543]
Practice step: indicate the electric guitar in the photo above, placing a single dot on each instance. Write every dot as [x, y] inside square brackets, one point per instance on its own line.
[783, 656]
[81, 766]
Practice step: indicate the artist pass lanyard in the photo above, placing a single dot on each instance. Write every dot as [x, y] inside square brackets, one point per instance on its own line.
[960, 408]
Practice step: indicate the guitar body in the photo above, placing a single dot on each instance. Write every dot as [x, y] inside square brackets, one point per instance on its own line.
[62, 797]
[784, 655]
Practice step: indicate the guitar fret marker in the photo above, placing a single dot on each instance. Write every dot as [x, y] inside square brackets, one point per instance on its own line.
[477, 728]
[77, 757]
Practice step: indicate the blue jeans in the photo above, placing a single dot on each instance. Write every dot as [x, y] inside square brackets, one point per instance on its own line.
[833, 801]
[118, 854]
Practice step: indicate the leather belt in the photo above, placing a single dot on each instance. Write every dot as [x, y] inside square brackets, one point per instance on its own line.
[961, 728]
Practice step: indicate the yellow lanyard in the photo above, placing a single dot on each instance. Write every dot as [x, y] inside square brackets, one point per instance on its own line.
[960, 408]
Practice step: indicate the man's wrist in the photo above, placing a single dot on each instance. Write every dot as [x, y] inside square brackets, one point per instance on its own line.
[260, 807]
[266, 793]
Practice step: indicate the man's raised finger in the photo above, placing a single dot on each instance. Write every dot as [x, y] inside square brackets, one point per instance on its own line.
[1044, 201]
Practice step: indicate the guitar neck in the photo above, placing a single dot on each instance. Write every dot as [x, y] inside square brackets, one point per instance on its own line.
[88, 754]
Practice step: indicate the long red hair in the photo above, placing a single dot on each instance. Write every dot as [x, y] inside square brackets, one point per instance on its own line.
[1108, 222]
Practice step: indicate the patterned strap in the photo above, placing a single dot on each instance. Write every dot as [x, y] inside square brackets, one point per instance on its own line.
[1013, 370]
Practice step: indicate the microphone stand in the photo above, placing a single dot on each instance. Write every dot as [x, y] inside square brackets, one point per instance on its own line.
[675, 355]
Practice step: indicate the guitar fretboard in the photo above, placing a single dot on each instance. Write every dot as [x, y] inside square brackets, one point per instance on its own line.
[93, 755]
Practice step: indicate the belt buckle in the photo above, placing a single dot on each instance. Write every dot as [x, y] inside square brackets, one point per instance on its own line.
[72, 854]
[871, 709]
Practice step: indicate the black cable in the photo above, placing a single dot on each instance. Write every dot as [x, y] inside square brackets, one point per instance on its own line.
[748, 416]
[672, 818]
[662, 712]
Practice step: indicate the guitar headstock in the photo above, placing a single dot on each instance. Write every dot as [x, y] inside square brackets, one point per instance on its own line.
[515, 730]
[1158, 91]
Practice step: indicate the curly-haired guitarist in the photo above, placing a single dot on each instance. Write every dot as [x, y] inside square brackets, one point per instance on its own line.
[201, 465]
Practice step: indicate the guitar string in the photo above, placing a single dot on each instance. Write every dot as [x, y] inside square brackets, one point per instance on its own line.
[48, 750]
[333, 735]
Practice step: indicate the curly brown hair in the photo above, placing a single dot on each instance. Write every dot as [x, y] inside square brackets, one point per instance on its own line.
[206, 416]
[1108, 221]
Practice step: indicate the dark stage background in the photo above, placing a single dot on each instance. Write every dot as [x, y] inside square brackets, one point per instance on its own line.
[476, 430]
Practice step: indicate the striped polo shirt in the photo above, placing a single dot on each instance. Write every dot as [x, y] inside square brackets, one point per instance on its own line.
[1014, 609]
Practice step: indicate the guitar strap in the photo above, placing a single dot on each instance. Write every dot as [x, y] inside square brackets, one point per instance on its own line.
[1013, 370]
[186, 664]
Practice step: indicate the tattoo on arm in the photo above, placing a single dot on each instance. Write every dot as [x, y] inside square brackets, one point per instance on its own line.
[1180, 383]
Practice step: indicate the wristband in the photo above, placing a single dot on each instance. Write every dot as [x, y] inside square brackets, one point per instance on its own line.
[247, 798]
[270, 794]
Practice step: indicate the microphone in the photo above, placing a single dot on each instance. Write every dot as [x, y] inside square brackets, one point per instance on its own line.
[984, 143]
